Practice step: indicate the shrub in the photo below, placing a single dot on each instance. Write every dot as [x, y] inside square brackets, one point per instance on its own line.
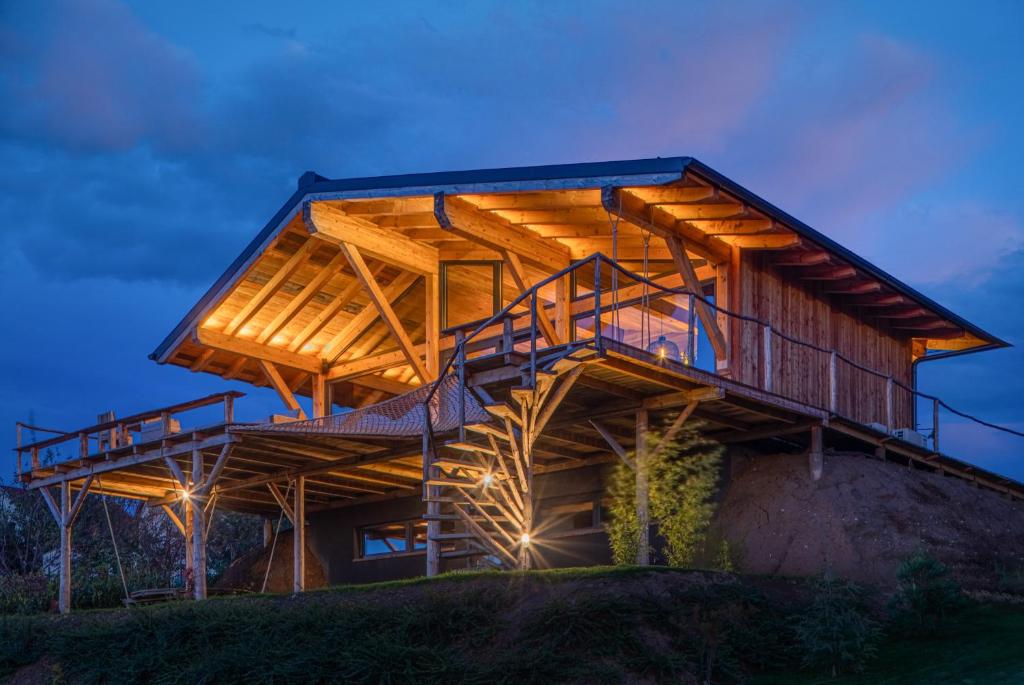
[27, 593]
[835, 631]
[927, 595]
[623, 528]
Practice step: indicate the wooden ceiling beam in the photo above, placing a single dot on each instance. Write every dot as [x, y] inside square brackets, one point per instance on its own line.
[354, 368]
[826, 272]
[271, 287]
[853, 287]
[250, 349]
[321, 320]
[328, 222]
[283, 391]
[801, 258]
[632, 209]
[492, 232]
[765, 241]
[663, 195]
[387, 313]
[303, 298]
[730, 227]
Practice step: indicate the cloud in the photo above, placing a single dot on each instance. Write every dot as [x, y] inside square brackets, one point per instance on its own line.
[89, 76]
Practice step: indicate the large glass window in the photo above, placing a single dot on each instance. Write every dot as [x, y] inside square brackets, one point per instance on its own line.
[395, 537]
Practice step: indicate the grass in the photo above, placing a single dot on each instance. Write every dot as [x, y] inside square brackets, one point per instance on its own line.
[592, 625]
[982, 647]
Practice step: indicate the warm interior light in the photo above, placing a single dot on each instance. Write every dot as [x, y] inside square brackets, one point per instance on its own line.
[488, 479]
[525, 539]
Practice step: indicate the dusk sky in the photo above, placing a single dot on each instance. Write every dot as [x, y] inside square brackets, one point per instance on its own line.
[144, 144]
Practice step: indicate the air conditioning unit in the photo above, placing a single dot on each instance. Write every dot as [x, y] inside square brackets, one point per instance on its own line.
[912, 436]
[880, 427]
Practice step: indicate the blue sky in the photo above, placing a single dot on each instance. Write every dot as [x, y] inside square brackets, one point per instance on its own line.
[145, 143]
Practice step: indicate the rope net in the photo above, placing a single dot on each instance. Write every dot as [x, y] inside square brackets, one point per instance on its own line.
[401, 416]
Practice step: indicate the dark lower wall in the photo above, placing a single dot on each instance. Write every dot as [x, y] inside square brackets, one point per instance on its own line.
[332, 533]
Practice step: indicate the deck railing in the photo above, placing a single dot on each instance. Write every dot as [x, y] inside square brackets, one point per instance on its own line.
[115, 433]
[814, 375]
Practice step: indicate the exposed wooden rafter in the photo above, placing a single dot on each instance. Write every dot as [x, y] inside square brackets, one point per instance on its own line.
[387, 314]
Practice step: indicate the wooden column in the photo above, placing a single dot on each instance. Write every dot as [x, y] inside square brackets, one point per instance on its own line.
[528, 435]
[190, 567]
[431, 493]
[198, 529]
[321, 402]
[64, 514]
[64, 593]
[563, 309]
[432, 325]
[268, 531]
[299, 535]
[816, 456]
[643, 550]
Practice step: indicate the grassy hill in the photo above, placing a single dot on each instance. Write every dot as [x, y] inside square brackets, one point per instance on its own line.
[585, 625]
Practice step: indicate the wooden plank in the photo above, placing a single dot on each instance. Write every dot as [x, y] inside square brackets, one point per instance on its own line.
[303, 298]
[198, 531]
[271, 287]
[327, 314]
[432, 324]
[387, 314]
[328, 222]
[492, 232]
[707, 317]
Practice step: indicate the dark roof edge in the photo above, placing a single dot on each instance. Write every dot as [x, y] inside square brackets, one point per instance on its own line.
[709, 174]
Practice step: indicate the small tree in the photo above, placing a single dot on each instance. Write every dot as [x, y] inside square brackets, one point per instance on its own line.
[683, 481]
[835, 631]
[624, 527]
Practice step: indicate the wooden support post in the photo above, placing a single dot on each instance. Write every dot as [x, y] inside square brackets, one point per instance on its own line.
[890, 423]
[766, 360]
[563, 309]
[229, 409]
[643, 549]
[284, 392]
[268, 532]
[190, 565]
[198, 528]
[299, 535]
[816, 455]
[431, 493]
[833, 383]
[432, 325]
[319, 384]
[64, 592]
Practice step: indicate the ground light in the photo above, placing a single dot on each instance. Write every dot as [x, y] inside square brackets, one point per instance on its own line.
[524, 539]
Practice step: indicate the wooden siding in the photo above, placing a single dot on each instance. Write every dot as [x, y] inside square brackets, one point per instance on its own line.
[805, 311]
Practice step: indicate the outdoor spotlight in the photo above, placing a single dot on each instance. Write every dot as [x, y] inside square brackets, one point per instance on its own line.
[185, 495]
[488, 479]
[524, 539]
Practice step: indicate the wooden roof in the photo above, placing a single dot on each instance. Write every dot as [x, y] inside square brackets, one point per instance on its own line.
[293, 297]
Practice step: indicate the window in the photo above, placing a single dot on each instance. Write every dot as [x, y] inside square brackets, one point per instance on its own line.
[395, 537]
[470, 291]
[571, 518]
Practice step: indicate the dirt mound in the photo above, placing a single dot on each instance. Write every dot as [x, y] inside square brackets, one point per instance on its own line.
[247, 572]
[864, 517]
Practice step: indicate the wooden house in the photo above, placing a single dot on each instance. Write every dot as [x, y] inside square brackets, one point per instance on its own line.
[477, 347]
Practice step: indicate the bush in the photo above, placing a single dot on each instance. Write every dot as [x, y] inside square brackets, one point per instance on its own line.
[835, 631]
[927, 596]
[27, 593]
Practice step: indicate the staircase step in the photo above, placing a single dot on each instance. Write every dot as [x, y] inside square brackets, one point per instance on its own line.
[453, 482]
[468, 447]
[441, 517]
[503, 411]
[487, 429]
[443, 537]
[446, 463]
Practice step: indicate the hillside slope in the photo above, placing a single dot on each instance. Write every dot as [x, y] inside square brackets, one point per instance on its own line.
[864, 517]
